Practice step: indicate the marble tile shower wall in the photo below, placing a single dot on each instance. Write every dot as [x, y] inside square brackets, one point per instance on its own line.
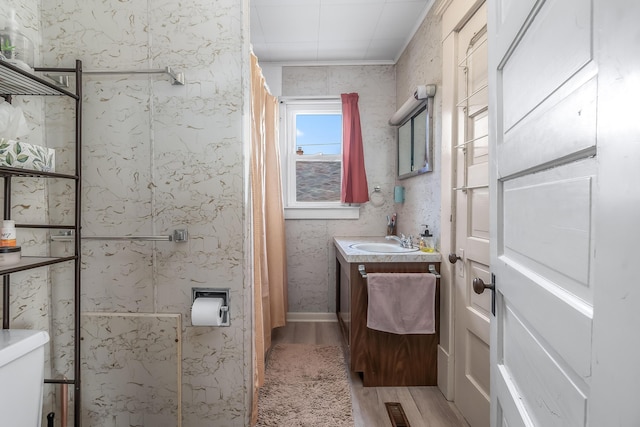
[157, 157]
[310, 251]
[30, 204]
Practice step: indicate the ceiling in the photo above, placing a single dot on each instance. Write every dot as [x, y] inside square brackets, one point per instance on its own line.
[334, 31]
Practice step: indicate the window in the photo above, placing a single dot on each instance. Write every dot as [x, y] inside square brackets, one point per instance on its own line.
[311, 137]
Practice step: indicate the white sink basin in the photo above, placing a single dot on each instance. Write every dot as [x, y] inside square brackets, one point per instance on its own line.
[382, 247]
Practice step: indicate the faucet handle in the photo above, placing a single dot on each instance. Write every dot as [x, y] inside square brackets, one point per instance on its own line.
[409, 241]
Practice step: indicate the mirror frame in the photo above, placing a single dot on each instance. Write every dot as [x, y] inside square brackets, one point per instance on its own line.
[427, 165]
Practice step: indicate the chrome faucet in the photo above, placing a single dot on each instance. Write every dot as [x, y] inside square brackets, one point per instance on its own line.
[405, 242]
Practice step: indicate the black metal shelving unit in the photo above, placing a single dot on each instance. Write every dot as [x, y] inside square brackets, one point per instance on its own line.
[15, 81]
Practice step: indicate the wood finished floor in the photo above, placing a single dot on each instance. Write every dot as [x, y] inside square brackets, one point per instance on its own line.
[424, 406]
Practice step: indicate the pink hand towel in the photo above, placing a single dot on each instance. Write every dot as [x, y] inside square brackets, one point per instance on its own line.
[401, 303]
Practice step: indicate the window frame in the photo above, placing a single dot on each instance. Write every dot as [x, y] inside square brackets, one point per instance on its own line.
[293, 209]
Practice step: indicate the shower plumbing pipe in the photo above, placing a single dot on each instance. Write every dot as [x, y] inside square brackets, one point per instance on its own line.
[64, 404]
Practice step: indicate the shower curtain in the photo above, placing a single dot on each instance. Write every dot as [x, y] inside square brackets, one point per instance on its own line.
[269, 251]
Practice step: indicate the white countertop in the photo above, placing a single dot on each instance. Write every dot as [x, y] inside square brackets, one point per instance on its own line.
[343, 245]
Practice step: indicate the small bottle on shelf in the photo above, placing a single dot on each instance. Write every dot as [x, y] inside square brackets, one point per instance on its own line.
[8, 233]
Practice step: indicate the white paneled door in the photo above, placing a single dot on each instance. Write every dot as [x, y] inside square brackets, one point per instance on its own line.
[471, 198]
[546, 193]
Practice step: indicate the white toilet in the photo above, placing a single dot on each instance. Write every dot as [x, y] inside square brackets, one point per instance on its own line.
[21, 376]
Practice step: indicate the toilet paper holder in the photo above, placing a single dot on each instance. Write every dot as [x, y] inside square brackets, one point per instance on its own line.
[222, 293]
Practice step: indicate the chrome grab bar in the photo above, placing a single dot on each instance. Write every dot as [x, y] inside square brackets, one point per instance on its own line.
[179, 236]
[177, 78]
[150, 238]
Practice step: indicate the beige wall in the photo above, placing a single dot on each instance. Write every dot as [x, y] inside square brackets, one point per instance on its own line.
[310, 251]
[381, 88]
[420, 64]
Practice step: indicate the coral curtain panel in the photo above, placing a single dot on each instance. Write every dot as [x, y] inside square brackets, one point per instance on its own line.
[354, 176]
[268, 234]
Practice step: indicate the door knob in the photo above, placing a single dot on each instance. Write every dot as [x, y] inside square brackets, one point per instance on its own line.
[479, 286]
[453, 258]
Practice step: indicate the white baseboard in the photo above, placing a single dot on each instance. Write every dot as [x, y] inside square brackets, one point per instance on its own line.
[311, 317]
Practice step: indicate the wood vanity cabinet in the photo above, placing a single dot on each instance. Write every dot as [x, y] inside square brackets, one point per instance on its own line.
[382, 358]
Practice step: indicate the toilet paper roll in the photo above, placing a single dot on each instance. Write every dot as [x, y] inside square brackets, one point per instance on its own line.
[207, 312]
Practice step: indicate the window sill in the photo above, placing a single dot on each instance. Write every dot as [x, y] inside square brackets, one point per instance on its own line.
[342, 212]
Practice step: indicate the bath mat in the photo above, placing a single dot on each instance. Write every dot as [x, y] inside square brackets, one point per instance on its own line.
[305, 386]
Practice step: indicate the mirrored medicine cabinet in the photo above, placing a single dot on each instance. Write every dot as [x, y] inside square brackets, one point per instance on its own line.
[415, 142]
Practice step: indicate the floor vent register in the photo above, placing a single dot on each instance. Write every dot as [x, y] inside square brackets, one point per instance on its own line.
[397, 415]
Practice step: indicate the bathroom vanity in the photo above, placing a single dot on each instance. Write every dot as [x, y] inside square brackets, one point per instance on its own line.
[382, 358]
